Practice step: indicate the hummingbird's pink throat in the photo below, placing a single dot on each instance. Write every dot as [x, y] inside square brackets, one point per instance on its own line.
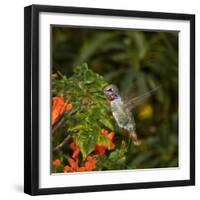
[114, 97]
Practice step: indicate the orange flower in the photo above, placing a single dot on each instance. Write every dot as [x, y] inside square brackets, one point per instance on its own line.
[76, 153]
[73, 163]
[58, 108]
[101, 149]
[68, 107]
[111, 138]
[90, 164]
[76, 149]
[73, 145]
[67, 169]
[57, 163]
[82, 169]
[104, 132]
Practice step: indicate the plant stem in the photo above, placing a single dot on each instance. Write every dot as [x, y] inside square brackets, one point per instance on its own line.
[59, 124]
[62, 143]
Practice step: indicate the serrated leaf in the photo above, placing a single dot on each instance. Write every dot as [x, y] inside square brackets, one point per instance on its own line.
[86, 141]
[107, 123]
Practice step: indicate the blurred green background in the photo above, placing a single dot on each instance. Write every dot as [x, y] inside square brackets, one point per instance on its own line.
[136, 61]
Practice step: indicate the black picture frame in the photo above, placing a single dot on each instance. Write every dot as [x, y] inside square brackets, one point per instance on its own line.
[31, 98]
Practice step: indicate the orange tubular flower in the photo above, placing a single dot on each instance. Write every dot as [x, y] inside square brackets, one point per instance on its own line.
[67, 169]
[58, 108]
[76, 149]
[104, 132]
[57, 163]
[68, 107]
[76, 153]
[90, 165]
[73, 166]
[101, 149]
[82, 169]
[73, 145]
[73, 163]
[111, 138]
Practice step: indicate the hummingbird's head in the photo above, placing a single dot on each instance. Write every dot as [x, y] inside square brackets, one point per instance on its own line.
[111, 92]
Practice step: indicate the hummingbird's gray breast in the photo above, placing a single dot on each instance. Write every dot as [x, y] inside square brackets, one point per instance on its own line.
[121, 114]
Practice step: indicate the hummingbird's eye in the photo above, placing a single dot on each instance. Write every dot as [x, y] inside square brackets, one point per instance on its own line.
[110, 90]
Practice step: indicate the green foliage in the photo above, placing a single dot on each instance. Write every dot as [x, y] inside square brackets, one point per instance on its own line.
[91, 111]
[115, 161]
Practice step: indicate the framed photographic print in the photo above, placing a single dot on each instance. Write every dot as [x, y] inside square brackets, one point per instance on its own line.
[109, 100]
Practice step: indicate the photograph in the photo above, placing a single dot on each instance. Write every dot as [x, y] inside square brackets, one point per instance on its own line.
[109, 99]
[114, 99]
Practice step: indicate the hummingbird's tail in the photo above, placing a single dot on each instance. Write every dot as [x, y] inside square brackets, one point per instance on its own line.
[134, 138]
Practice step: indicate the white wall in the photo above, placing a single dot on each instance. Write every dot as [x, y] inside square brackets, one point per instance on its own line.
[11, 100]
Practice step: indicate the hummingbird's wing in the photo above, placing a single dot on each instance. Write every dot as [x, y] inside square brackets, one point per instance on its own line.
[134, 102]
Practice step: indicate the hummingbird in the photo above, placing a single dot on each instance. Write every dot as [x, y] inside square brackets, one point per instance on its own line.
[121, 110]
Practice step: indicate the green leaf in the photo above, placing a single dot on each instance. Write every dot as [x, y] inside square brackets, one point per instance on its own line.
[91, 45]
[106, 123]
[116, 159]
[86, 141]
